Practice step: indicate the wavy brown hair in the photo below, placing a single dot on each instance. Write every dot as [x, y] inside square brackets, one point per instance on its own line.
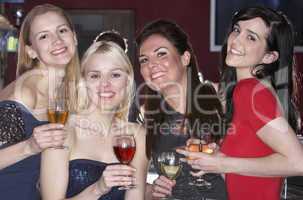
[193, 115]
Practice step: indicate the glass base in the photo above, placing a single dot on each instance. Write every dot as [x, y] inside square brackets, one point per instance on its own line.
[201, 183]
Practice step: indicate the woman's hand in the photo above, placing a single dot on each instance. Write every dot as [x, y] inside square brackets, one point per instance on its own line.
[162, 187]
[116, 175]
[206, 163]
[46, 136]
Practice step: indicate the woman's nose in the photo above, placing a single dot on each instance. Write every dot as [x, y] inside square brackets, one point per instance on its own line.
[57, 38]
[153, 63]
[237, 39]
[104, 83]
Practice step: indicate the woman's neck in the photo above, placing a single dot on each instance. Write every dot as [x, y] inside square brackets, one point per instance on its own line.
[55, 78]
[175, 95]
[105, 118]
[243, 73]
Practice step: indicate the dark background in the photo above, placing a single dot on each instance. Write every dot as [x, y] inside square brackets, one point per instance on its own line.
[293, 9]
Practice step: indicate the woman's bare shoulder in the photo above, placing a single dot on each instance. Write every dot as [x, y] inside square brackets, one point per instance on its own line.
[22, 93]
[27, 87]
[6, 93]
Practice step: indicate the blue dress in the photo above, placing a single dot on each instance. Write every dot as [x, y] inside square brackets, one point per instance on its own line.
[20, 180]
[83, 173]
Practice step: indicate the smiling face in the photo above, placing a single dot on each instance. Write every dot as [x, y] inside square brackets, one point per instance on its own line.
[53, 42]
[161, 65]
[106, 80]
[247, 46]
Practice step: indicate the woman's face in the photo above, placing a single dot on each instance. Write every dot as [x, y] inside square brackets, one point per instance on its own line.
[53, 42]
[246, 44]
[106, 80]
[161, 65]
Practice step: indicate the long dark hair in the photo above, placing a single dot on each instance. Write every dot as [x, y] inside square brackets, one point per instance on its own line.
[178, 38]
[279, 73]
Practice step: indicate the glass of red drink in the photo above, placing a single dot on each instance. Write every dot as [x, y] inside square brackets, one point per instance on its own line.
[124, 148]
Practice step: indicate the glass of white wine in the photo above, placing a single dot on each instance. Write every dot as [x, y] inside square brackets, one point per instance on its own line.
[170, 164]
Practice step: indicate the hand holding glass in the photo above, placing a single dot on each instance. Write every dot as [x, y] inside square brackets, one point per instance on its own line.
[57, 111]
[124, 148]
[201, 145]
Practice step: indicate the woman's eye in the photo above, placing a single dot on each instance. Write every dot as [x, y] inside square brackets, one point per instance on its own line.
[143, 60]
[236, 29]
[42, 37]
[116, 75]
[160, 54]
[94, 76]
[63, 30]
[252, 38]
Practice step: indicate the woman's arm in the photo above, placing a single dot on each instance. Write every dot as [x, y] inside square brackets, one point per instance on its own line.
[13, 147]
[140, 163]
[44, 136]
[287, 161]
[12, 154]
[15, 153]
[54, 173]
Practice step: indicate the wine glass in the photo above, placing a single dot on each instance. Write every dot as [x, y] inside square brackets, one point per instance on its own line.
[57, 111]
[200, 143]
[170, 165]
[57, 108]
[124, 149]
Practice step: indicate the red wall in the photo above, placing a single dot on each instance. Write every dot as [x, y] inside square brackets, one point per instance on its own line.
[192, 15]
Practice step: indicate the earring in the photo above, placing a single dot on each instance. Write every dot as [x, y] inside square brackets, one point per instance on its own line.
[32, 55]
[119, 112]
[200, 76]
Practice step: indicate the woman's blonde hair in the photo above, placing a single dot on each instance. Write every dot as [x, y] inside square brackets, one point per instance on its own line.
[25, 63]
[115, 52]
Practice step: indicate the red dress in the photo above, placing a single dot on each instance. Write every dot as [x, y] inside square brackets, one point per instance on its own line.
[254, 106]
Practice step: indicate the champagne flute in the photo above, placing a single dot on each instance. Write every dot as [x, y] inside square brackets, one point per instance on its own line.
[57, 108]
[124, 148]
[57, 111]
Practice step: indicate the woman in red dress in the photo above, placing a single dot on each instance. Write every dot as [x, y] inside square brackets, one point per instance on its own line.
[260, 146]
